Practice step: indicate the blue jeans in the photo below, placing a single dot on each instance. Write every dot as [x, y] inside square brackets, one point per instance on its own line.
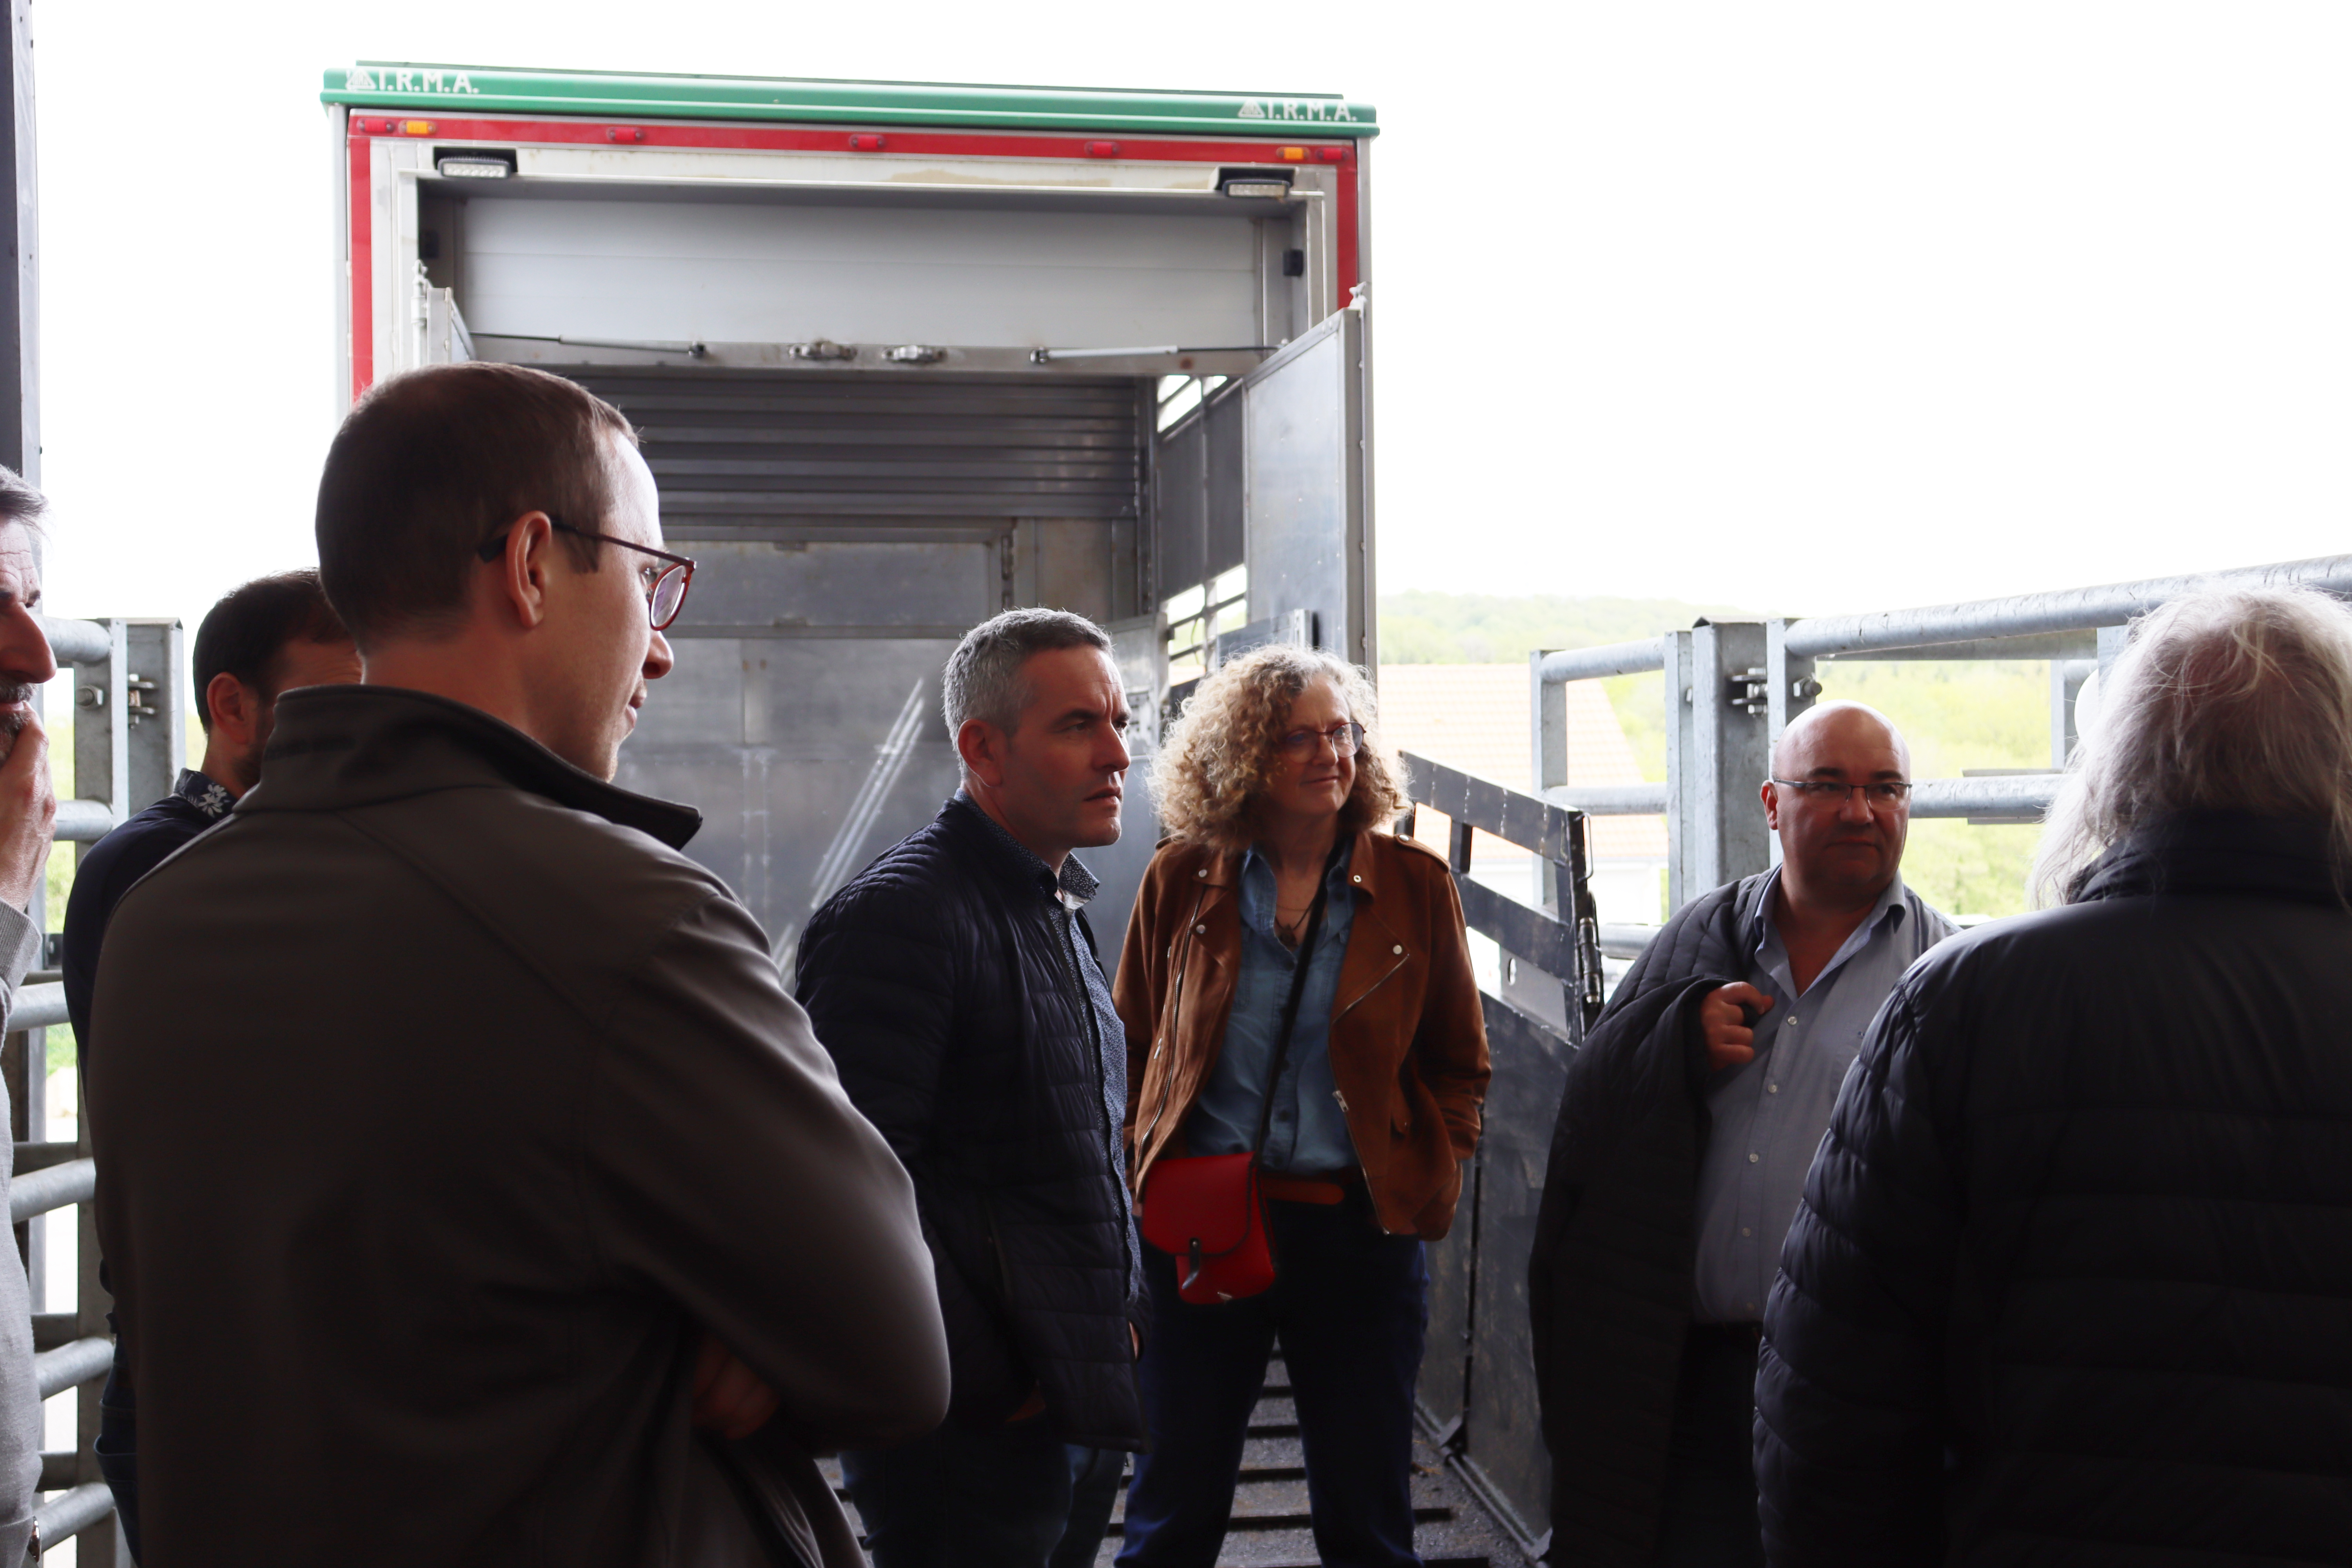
[999, 1498]
[1350, 1307]
[1096, 1475]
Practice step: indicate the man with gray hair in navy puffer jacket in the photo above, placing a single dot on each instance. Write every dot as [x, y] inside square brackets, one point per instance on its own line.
[2073, 1277]
[955, 982]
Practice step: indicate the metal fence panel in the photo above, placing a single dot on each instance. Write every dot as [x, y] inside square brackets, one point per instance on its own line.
[1501, 1436]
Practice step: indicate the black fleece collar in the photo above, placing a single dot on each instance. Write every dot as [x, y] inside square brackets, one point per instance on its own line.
[2220, 852]
[340, 746]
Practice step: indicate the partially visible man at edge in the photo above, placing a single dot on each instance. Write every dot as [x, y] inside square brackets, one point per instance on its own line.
[28, 810]
[265, 638]
[956, 983]
[1689, 1122]
[473, 1191]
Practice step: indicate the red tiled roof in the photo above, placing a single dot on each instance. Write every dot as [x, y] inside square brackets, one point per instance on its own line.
[1476, 717]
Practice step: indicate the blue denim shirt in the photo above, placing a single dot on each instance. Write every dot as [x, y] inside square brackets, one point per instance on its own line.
[1309, 1132]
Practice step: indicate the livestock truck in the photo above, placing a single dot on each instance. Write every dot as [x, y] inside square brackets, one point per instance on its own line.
[902, 355]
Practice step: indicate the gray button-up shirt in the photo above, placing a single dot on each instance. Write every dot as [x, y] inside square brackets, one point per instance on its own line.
[1769, 1113]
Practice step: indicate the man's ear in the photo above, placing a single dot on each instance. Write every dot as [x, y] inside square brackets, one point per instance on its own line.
[1771, 804]
[520, 570]
[235, 708]
[981, 744]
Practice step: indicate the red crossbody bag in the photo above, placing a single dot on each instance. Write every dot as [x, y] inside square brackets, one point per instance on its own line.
[1207, 1211]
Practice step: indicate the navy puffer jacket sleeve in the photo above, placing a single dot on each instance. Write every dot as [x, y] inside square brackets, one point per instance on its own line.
[1850, 1420]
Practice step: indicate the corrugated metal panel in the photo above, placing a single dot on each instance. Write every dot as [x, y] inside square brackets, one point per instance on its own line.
[743, 446]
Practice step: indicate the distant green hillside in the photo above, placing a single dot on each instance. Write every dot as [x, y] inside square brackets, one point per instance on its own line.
[1419, 627]
[1956, 716]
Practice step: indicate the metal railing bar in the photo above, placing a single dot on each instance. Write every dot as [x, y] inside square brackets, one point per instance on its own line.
[1625, 941]
[51, 1329]
[1594, 663]
[2030, 644]
[37, 1006]
[71, 1366]
[1524, 932]
[1609, 800]
[72, 1183]
[84, 821]
[60, 1470]
[78, 642]
[2071, 609]
[2022, 799]
[63, 1517]
[1515, 818]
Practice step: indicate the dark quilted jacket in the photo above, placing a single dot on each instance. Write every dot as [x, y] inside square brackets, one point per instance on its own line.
[940, 986]
[1611, 1280]
[2073, 1280]
[1609, 1287]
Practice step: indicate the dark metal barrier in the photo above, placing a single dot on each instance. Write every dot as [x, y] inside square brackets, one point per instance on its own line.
[1477, 1392]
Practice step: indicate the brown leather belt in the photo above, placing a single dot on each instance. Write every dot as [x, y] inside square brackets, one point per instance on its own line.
[1327, 1190]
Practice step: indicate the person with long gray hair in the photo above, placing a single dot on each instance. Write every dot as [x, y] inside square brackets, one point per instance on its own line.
[2073, 1275]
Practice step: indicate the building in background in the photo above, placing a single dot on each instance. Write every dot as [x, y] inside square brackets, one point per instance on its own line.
[1475, 717]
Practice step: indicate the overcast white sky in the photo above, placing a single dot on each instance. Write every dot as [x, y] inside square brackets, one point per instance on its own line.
[1803, 307]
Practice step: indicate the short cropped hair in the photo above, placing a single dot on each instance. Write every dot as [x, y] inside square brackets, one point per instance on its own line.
[2237, 701]
[1212, 768]
[982, 679]
[19, 501]
[244, 632]
[431, 464]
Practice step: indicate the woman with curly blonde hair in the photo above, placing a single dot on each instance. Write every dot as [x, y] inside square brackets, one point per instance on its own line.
[1295, 989]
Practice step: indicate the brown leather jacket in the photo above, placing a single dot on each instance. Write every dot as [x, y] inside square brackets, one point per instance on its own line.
[1408, 1037]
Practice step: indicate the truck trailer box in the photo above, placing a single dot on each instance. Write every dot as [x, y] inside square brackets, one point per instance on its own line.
[902, 355]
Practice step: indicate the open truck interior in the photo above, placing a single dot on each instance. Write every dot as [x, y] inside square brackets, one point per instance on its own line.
[891, 383]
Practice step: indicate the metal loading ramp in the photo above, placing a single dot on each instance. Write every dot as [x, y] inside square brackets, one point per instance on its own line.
[1270, 1523]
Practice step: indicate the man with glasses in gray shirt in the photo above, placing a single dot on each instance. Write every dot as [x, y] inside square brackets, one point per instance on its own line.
[1689, 1121]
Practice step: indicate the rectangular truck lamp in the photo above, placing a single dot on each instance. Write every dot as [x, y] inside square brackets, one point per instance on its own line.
[1260, 184]
[474, 163]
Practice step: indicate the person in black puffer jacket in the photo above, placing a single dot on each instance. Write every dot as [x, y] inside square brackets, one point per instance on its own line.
[956, 985]
[2073, 1277]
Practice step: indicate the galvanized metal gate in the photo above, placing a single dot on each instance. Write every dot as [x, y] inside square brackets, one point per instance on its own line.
[1477, 1392]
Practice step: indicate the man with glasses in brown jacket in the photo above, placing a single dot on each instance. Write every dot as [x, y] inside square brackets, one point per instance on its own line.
[474, 1192]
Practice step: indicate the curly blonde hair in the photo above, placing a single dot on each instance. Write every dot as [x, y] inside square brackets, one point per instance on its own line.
[1215, 763]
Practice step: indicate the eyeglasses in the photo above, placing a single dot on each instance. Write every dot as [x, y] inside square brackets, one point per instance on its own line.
[1346, 740]
[664, 589]
[1887, 793]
